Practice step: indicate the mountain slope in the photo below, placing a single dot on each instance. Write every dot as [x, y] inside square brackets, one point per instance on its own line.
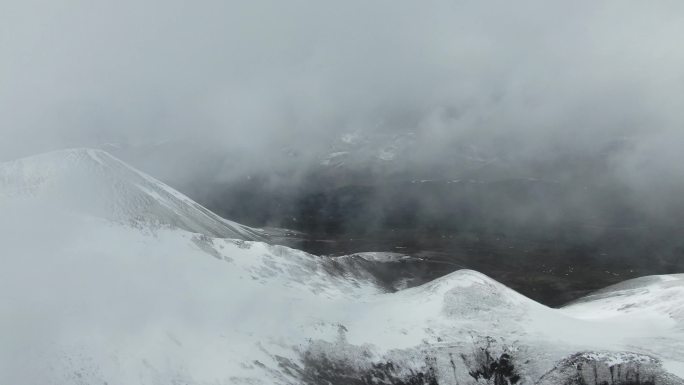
[96, 183]
[658, 294]
[88, 299]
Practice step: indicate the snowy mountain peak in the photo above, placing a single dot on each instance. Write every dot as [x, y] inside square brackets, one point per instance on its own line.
[91, 301]
[95, 183]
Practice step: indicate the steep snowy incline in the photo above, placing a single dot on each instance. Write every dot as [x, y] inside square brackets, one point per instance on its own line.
[94, 182]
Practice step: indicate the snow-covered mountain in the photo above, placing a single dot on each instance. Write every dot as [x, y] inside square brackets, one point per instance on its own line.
[95, 183]
[109, 277]
[647, 295]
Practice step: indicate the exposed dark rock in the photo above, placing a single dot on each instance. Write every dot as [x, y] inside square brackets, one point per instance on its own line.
[487, 362]
[325, 366]
[496, 369]
[609, 368]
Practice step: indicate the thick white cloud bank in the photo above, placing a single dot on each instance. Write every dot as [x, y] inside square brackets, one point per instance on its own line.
[531, 77]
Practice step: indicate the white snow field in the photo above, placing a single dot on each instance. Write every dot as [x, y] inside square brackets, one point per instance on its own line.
[95, 183]
[108, 276]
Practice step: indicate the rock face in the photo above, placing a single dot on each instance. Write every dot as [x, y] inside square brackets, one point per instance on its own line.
[609, 369]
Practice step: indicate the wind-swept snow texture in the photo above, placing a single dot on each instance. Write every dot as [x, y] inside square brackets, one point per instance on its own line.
[88, 298]
[95, 183]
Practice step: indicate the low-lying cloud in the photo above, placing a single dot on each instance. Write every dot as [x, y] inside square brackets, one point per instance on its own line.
[529, 78]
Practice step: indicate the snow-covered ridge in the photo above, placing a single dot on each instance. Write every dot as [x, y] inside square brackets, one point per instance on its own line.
[640, 297]
[94, 182]
[86, 298]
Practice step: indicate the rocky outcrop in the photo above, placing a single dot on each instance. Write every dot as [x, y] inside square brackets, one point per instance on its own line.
[609, 368]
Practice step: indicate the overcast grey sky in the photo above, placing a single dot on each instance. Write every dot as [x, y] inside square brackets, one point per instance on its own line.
[257, 74]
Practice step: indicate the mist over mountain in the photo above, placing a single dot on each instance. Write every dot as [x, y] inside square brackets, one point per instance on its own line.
[531, 83]
[341, 192]
[553, 126]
